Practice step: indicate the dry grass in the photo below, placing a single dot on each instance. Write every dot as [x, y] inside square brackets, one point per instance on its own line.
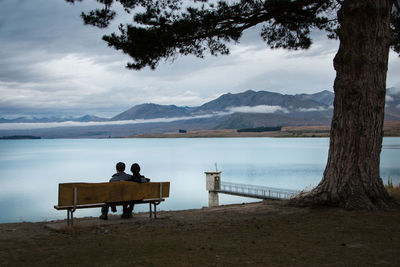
[393, 190]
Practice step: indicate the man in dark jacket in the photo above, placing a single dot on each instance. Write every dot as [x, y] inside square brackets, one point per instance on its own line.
[120, 175]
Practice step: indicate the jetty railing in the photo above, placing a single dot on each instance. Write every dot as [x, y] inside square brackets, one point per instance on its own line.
[255, 191]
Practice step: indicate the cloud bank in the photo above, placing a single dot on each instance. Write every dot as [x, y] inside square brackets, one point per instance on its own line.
[258, 109]
[315, 109]
[39, 125]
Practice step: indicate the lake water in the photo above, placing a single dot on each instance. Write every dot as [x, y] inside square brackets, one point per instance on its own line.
[30, 170]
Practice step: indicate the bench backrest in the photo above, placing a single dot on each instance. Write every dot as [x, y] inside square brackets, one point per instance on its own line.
[92, 193]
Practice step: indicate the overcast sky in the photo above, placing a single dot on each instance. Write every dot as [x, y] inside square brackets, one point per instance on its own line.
[51, 64]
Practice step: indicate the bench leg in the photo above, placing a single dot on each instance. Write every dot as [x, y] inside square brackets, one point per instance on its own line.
[70, 217]
[150, 210]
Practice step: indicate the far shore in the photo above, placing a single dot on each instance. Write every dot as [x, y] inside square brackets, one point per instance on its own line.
[391, 129]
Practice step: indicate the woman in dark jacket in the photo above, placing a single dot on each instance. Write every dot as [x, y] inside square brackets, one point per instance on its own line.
[138, 178]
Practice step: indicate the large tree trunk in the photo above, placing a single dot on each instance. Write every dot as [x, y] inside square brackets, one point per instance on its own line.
[351, 178]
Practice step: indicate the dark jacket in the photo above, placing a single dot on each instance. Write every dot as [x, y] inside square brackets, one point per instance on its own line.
[121, 176]
[138, 178]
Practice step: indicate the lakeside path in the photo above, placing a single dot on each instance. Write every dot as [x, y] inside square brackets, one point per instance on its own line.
[267, 233]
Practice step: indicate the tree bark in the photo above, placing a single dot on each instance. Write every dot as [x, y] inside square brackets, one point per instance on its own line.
[351, 179]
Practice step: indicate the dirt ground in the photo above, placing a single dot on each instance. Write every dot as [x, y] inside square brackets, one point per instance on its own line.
[268, 233]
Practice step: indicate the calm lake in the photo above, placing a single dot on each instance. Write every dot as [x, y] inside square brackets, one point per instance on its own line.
[30, 170]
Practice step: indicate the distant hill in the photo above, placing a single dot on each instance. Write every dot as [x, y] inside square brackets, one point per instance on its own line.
[86, 118]
[253, 120]
[279, 103]
[249, 109]
[153, 111]
[251, 98]
[325, 97]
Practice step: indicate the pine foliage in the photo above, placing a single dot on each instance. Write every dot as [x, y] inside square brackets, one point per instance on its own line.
[165, 29]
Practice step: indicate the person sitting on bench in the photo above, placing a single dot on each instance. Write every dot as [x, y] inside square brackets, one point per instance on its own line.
[138, 178]
[120, 175]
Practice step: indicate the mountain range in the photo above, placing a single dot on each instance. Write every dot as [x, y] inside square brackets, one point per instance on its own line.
[246, 102]
[86, 118]
[229, 111]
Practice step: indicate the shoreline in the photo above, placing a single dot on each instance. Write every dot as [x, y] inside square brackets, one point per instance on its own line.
[391, 129]
[234, 134]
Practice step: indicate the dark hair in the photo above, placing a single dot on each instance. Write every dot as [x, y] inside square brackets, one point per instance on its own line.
[135, 168]
[120, 166]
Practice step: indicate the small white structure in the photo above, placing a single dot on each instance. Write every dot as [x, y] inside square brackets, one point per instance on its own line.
[213, 184]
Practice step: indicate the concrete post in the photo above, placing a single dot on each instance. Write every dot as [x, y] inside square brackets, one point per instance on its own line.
[213, 183]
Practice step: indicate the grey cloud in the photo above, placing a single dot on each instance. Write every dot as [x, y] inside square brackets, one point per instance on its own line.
[52, 63]
[36, 31]
[52, 27]
[48, 24]
[295, 81]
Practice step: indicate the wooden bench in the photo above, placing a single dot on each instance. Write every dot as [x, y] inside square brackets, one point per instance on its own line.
[73, 196]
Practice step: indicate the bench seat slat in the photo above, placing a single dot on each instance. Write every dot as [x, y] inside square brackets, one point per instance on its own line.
[97, 205]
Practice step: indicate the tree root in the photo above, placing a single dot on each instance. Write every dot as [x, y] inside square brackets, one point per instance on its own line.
[361, 201]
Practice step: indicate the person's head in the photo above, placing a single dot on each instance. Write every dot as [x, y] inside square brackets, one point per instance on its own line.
[135, 168]
[120, 167]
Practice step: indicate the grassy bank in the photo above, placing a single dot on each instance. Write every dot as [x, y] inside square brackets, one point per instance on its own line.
[394, 191]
